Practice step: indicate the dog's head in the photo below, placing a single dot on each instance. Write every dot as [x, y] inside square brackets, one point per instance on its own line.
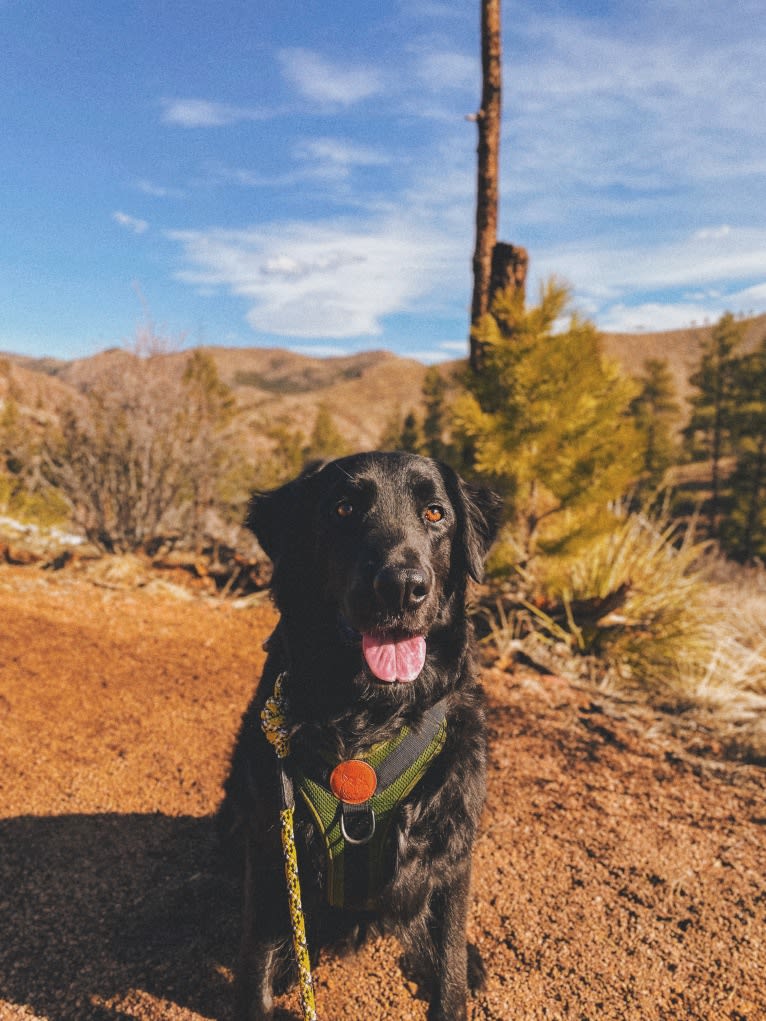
[379, 547]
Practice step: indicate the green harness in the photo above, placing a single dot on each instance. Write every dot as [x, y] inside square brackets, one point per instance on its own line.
[396, 765]
[356, 834]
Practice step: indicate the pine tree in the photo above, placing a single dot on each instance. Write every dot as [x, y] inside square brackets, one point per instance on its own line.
[10, 436]
[402, 433]
[286, 458]
[326, 440]
[549, 423]
[656, 410]
[434, 422]
[391, 437]
[709, 433]
[744, 530]
[411, 438]
[209, 408]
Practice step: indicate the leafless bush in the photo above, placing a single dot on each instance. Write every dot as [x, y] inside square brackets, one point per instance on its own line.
[148, 449]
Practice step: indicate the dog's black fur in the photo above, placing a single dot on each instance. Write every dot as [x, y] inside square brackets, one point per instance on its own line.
[354, 552]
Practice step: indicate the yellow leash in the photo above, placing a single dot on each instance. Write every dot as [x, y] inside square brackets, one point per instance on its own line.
[274, 726]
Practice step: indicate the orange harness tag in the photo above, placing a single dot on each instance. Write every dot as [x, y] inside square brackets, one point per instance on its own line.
[353, 781]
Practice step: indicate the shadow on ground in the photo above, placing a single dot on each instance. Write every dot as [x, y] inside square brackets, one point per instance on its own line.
[98, 912]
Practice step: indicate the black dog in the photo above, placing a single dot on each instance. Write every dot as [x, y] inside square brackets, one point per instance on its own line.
[372, 555]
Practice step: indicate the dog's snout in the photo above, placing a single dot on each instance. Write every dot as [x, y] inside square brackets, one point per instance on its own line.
[401, 588]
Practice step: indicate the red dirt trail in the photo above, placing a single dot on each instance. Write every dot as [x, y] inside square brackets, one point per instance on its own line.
[618, 875]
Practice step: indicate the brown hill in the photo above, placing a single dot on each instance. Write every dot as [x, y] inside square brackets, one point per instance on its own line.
[36, 393]
[363, 391]
[272, 386]
[680, 348]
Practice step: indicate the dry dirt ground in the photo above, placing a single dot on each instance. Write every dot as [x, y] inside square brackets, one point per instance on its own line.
[619, 875]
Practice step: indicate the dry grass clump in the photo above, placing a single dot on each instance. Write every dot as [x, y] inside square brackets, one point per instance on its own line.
[653, 612]
[733, 688]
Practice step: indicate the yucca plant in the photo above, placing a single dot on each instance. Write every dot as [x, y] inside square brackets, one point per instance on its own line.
[635, 604]
[638, 599]
[639, 611]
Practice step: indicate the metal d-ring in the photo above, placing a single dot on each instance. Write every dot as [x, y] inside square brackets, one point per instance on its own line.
[354, 840]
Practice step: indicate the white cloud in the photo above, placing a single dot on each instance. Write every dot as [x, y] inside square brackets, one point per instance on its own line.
[331, 279]
[131, 223]
[322, 159]
[218, 173]
[712, 233]
[607, 123]
[202, 113]
[337, 157]
[284, 266]
[453, 347]
[701, 258]
[612, 139]
[323, 82]
[749, 299]
[290, 268]
[447, 69]
[656, 316]
[157, 190]
[664, 286]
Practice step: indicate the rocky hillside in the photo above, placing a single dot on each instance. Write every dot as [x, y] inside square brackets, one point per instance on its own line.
[363, 391]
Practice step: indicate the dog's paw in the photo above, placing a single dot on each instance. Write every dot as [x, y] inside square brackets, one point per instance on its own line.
[477, 972]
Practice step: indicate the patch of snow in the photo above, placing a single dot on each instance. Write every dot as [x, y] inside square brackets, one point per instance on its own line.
[65, 538]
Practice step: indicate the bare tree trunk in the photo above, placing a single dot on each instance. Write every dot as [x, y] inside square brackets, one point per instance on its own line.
[509, 270]
[488, 121]
[754, 503]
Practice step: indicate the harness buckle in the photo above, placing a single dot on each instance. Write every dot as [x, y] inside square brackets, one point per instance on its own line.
[365, 838]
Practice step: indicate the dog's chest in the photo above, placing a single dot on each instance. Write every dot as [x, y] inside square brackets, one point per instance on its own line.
[354, 805]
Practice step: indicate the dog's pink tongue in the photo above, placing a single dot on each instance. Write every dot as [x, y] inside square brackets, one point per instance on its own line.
[394, 661]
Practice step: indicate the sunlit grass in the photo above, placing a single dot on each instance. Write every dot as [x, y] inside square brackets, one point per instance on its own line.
[652, 612]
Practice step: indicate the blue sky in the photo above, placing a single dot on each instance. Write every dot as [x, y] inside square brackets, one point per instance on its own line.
[301, 174]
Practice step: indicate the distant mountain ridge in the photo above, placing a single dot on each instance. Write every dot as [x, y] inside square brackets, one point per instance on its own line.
[362, 391]
[272, 386]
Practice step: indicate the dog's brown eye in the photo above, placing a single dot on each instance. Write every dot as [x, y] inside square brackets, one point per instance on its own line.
[344, 509]
[434, 513]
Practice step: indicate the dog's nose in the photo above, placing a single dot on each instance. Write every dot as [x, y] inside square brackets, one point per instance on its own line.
[401, 588]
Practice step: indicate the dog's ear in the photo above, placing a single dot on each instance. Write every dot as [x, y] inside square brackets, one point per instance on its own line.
[481, 512]
[268, 515]
[272, 516]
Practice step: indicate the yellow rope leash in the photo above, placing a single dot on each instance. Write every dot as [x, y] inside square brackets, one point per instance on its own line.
[274, 726]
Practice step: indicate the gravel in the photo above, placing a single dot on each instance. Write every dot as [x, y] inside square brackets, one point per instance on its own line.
[618, 875]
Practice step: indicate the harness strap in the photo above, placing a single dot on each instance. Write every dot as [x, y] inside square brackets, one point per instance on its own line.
[389, 759]
[412, 746]
[398, 765]
[356, 834]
